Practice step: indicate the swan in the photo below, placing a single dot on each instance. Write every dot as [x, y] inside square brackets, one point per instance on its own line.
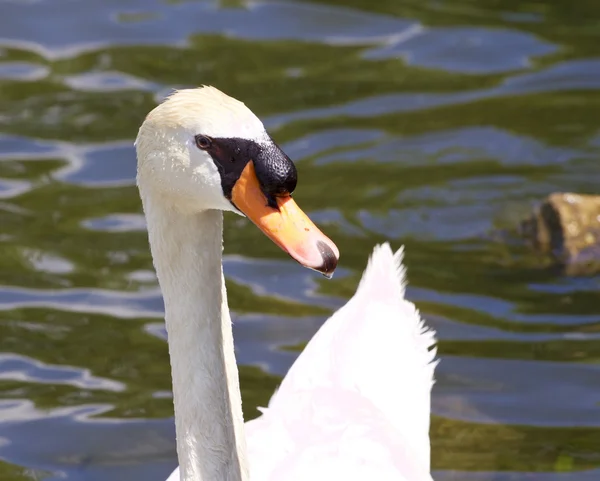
[356, 403]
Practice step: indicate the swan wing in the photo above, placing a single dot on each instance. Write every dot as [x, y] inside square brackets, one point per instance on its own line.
[356, 403]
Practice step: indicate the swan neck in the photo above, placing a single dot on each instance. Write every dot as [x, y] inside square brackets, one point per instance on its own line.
[187, 254]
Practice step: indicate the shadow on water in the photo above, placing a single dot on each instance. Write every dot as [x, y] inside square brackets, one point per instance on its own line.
[427, 124]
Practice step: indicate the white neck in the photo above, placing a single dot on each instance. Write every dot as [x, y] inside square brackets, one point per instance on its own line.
[187, 253]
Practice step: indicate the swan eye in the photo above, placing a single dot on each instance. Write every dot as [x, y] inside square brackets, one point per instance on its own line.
[203, 142]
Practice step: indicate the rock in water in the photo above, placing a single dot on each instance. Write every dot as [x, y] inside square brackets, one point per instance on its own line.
[567, 226]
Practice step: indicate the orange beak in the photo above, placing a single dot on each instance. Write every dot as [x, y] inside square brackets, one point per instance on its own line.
[287, 226]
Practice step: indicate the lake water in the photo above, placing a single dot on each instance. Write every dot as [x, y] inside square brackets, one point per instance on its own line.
[434, 124]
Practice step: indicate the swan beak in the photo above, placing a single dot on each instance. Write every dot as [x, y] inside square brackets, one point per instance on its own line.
[287, 225]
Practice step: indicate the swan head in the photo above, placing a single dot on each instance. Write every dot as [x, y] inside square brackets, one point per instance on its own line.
[203, 150]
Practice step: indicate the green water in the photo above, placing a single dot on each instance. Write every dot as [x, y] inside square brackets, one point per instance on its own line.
[433, 125]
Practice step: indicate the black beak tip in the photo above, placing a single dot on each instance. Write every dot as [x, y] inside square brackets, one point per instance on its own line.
[330, 260]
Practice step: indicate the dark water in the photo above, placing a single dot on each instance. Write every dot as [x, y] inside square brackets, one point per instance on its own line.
[432, 124]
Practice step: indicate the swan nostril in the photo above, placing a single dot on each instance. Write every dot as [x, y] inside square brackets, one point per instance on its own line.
[330, 260]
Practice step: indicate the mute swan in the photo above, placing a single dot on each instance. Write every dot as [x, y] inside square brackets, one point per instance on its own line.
[356, 403]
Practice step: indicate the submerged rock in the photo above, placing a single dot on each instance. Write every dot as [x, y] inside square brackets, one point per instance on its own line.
[567, 226]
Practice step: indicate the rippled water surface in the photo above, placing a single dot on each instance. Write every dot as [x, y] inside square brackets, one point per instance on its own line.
[434, 124]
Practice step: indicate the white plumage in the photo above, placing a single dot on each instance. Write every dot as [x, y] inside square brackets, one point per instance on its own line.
[356, 403]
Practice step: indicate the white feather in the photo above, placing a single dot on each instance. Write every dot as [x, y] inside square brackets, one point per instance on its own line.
[356, 403]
